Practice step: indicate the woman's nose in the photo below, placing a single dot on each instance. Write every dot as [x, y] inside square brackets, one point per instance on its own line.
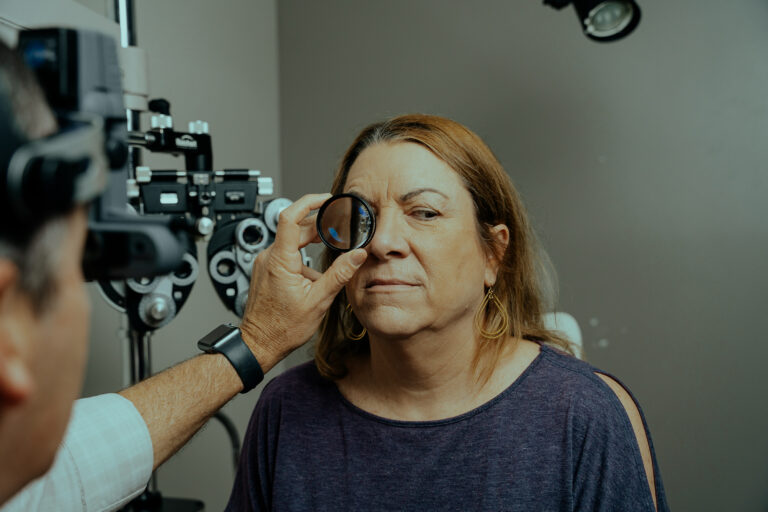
[389, 239]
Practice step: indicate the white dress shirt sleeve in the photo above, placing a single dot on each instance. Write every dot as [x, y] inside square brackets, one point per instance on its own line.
[104, 461]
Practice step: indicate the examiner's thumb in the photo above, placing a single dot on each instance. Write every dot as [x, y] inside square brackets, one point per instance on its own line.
[343, 269]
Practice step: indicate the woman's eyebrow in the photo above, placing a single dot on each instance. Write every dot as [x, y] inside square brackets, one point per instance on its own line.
[405, 197]
[416, 192]
[361, 196]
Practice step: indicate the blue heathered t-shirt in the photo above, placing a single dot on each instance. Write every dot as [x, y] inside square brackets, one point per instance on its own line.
[557, 439]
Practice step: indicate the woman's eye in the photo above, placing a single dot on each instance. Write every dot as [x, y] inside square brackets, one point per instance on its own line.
[424, 214]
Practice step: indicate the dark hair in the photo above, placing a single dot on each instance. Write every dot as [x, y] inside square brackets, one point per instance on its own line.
[518, 283]
[18, 85]
[36, 255]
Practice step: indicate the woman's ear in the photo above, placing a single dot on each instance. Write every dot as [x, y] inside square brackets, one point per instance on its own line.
[500, 235]
[15, 378]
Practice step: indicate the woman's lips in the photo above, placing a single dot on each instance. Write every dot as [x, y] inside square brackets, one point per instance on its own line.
[388, 285]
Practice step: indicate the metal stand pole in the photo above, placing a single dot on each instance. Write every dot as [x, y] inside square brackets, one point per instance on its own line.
[151, 500]
[141, 357]
[140, 341]
[124, 12]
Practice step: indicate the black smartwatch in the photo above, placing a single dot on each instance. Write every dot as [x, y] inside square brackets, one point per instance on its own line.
[226, 340]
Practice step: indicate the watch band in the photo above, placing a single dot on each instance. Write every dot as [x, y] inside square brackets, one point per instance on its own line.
[227, 340]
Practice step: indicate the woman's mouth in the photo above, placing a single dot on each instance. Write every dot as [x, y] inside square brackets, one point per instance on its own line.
[381, 285]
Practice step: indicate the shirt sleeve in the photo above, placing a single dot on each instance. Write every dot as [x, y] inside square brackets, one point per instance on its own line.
[608, 471]
[104, 461]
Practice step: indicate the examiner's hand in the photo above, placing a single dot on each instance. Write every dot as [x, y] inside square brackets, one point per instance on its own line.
[287, 299]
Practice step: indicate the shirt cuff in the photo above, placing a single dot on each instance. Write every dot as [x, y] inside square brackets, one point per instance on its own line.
[110, 444]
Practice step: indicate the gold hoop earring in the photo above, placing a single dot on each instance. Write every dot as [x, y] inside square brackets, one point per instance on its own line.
[352, 336]
[491, 297]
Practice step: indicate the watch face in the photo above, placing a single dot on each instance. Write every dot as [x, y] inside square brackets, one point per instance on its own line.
[210, 339]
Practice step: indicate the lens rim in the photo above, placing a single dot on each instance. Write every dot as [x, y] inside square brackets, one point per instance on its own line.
[257, 223]
[194, 268]
[330, 201]
[213, 267]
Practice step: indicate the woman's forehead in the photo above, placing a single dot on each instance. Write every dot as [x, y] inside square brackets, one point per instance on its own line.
[399, 168]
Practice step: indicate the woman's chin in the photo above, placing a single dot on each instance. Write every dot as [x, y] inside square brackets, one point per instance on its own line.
[391, 334]
[393, 324]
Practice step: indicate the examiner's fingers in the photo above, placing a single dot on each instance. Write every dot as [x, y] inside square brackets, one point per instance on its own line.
[339, 274]
[310, 273]
[288, 236]
[308, 231]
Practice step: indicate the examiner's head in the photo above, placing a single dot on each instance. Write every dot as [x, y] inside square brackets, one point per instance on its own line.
[44, 310]
[449, 225]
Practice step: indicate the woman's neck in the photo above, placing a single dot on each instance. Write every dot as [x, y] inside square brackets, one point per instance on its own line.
[427, 376]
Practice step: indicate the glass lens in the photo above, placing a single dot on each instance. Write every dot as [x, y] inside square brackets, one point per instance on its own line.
[611, 17]
[345, 222]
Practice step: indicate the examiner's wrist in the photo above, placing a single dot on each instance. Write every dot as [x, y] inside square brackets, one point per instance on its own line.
[227, 340]
[220, 369]
[260, 346]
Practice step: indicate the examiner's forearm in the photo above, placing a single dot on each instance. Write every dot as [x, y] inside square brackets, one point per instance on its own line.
[286, 304]
[177, 402]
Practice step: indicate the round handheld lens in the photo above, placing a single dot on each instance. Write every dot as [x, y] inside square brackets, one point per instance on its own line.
[345, 222]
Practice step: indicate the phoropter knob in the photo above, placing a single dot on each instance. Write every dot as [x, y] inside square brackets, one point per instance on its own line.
[198, 127]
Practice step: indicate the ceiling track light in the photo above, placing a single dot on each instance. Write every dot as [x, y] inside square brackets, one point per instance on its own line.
[603, 20]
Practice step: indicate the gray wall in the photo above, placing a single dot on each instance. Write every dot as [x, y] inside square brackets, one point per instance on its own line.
[642, 163]
[643, 166]
[215, 61]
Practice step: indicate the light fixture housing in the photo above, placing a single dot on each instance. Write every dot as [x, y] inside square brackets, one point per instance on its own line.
[603, 20]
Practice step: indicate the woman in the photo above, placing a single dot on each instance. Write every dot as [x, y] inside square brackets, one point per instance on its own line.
[435, 385]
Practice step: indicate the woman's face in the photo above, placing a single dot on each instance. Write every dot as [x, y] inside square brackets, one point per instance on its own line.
[426, 268]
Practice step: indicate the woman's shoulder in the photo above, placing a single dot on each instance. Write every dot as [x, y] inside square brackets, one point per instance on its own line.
[603, 410]
[587, 389]
[576, 377]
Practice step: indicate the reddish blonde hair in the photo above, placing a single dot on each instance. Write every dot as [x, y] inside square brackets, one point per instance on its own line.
[496, 202]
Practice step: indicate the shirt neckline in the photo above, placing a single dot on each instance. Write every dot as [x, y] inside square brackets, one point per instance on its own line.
[454, 419]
